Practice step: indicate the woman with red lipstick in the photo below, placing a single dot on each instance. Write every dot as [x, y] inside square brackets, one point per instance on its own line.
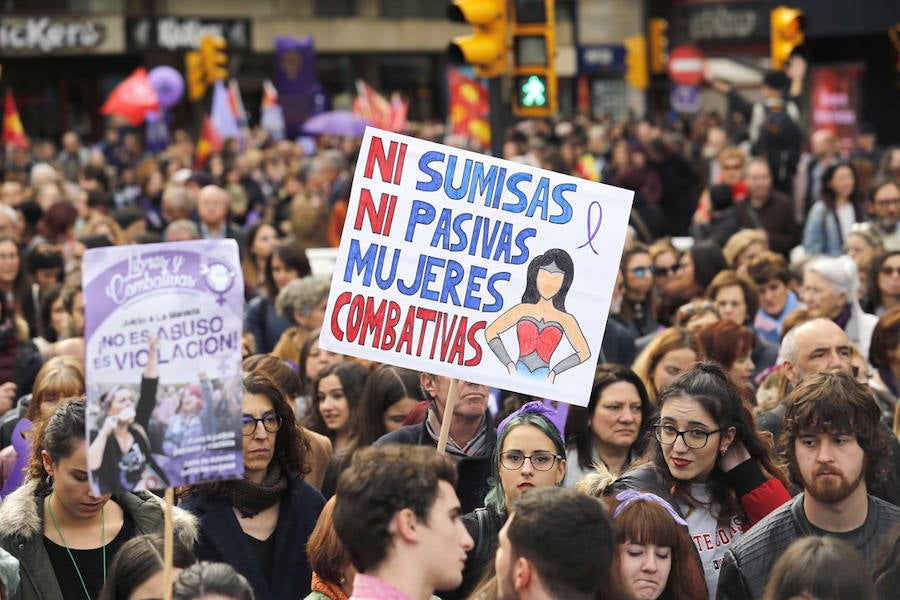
[611, 432]
[530, 453]
[64, 535]
[709, 463]
[259, 524]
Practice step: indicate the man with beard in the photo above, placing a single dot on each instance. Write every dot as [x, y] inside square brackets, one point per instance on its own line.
[884, 213]
[834, 449]
[534, 558]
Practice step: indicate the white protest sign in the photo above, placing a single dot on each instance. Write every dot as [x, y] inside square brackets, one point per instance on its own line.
[163, 329]
[473, 267]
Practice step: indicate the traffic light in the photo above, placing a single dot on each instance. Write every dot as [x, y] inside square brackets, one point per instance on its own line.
[534, 58]
[787, 33]
[215, 61]
[636, 62]
[487, 47]
[196, 78]
[659, 45]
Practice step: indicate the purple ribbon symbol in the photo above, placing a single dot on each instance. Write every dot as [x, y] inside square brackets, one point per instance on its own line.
[593, 226]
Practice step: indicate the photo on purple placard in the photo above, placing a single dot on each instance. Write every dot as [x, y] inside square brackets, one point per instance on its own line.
[163, 329]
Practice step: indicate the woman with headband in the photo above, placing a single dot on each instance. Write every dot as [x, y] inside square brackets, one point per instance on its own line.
[530, 453]
[653, 552]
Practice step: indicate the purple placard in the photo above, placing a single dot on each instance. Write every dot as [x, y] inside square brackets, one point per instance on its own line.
[163, 329]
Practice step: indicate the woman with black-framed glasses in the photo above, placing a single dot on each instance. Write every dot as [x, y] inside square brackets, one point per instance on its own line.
[259, 524]
[709, 463]
[530, 453]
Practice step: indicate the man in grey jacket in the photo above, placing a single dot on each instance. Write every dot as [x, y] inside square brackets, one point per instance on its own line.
[834, 448]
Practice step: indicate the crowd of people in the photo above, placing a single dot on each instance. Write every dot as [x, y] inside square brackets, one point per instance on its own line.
[740, 441]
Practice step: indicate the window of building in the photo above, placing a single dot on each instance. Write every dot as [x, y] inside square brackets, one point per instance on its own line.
[422, 9]
[335, 8]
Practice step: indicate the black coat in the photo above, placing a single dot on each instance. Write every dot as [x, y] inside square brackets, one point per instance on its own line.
[222, 540]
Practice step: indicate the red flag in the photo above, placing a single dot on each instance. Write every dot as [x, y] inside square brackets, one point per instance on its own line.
[371, 105]
[399, 110]
[210, 141]
[469, 108]
[13, 132]
[132, 98]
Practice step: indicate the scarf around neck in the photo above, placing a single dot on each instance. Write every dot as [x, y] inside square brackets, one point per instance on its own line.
[252, 498]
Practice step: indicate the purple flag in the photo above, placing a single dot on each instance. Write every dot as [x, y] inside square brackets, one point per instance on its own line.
[296, 81]
[156, 133]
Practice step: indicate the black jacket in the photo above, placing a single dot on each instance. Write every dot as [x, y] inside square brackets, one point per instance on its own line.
[747, 564]
[222, 540]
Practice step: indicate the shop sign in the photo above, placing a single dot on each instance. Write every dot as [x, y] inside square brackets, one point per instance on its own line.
[47, 35]
[177, 34]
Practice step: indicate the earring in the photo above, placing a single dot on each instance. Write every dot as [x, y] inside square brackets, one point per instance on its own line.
[723, 451]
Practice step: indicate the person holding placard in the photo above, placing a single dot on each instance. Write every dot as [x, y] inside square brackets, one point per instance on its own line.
[64, 535]
[259, 523]
[471, 441]
[541, 321]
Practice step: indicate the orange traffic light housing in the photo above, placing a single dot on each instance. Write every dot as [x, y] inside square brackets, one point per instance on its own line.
[534, 58]
[787, 25]
[215, 61]
[636, 73]
[487, 47]
[659, 45]
[195, 75]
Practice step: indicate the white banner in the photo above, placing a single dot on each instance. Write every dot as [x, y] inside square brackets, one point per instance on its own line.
[473, 267]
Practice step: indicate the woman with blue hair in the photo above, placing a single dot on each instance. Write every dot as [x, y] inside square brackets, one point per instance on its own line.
[530, 453]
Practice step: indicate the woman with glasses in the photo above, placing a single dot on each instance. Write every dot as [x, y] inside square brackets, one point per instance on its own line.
[666, 264]
[883, 283]
[611, 432]
[530, 453]
[637, 312]
[709, 463]
[260, 523]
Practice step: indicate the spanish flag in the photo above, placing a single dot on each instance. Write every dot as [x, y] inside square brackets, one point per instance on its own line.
[13, 132]
[210, 142]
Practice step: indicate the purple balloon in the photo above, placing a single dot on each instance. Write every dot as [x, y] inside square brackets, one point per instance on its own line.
[168, 83]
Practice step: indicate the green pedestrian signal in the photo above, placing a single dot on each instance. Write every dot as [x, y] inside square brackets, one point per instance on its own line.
[534, 92]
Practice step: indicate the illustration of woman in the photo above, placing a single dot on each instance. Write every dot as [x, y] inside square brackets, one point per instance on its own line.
[541, 320]
[119, 456]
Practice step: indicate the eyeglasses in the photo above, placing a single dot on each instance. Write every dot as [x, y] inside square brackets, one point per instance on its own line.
[888, 271]
[692, 438]
[666, 271]
[887, 202]
[733, 166]
[541, 460]
[643, 271]
[271, 422]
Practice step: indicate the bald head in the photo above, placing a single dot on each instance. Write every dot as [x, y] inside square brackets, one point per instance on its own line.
[817, 345]
[212, 206]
